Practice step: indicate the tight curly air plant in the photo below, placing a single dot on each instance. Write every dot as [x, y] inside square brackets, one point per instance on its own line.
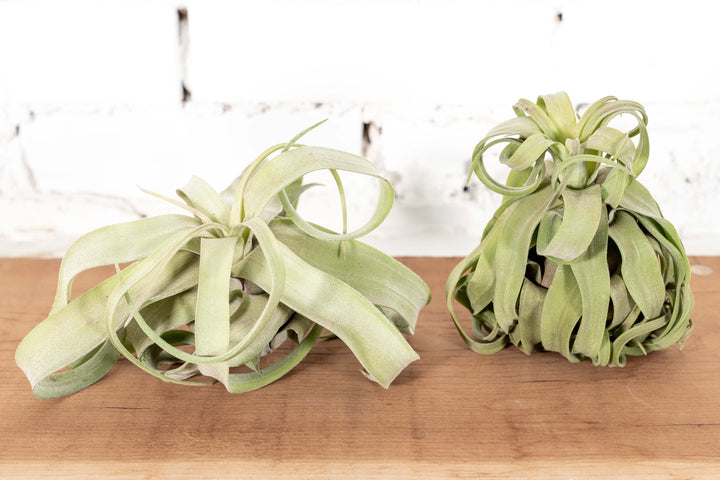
[578, 259]
[225, 286]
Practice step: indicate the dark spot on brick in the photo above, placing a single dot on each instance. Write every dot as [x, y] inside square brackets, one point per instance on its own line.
[366, 132]
[186, 95]
[183, 41]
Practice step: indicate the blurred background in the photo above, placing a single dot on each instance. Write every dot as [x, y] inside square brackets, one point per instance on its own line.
[100, 97]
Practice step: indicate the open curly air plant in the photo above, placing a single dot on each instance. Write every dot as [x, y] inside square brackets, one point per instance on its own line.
[578, 259]
[224, 287]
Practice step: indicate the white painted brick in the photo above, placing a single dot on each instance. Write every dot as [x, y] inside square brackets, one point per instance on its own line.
[15, 176]
[107, 151]
[88, 52]
[421, 51]
[637, 50]
[10, 119]
[427, 153]
[450, 52]
[113, 151]
[683, 173]
[278, 122]
[45, 224]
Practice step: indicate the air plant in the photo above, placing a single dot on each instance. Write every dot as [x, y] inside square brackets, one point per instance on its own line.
[578, 258]
[221, 288]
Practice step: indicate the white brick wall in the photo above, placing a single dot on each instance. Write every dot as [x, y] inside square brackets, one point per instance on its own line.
[92, 102]
[90, 52]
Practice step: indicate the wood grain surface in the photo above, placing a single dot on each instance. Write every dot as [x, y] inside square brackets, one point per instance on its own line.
[452, 414]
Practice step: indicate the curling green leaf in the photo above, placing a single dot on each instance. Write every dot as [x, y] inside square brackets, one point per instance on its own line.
[580, 220]
[81, 376]
[245, 382]
[528, 332]
[613, 142]
[593, 278]
[637, 198]
[560, 110]
[381, 279]
[76, 329]
[198, 194]
[212, 313]
[481, 284]
[300, 161]
[527, 154]
[561, 312]
[547, 126]
[524, 127]
[511, 254]
[125, 242]
[640, 268]
[372, 338]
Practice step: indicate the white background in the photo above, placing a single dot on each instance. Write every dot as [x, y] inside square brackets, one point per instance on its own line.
[92, 103]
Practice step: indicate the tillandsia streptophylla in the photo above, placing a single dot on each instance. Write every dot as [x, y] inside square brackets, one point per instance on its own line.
[578, 259]
[221, 288]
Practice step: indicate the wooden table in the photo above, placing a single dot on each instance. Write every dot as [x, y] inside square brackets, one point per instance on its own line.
[451, 414]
